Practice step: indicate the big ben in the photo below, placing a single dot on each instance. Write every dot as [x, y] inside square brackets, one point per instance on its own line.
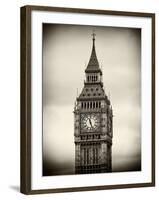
[93, 122]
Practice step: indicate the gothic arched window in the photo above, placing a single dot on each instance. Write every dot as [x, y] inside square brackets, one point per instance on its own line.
[97, 104]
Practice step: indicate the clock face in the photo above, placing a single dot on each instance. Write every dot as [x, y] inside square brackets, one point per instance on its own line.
[89, 122]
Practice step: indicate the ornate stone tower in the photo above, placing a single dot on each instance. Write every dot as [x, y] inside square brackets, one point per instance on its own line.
[93, 123]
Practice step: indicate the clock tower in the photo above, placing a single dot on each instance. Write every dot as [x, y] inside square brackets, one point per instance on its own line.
[93, 122]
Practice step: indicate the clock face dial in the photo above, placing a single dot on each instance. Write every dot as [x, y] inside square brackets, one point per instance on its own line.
[89, 122]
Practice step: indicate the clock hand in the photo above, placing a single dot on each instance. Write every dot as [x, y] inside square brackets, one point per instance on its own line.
[90, 122]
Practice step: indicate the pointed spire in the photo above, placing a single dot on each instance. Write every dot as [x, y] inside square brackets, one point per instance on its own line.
[93, 64]
[93, 34]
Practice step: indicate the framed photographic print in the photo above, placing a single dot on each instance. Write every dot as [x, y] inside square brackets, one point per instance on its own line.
[87, 99]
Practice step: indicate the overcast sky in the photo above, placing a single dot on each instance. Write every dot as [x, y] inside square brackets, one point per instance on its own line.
[66, 52]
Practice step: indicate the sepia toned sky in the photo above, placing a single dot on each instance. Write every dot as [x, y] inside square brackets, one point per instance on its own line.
[66, 52]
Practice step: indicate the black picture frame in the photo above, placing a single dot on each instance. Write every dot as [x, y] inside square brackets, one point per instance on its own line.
[26, 95]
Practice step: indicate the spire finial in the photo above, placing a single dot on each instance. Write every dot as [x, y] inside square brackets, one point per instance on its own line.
[93, 34]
